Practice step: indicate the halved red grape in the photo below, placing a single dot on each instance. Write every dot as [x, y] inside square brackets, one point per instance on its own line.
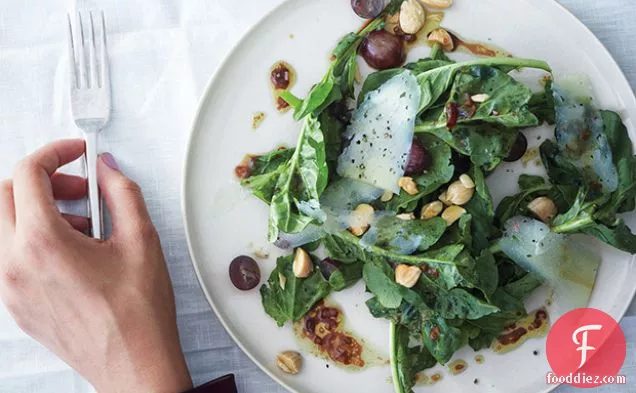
[368, 9]
[244, 273]
[382, 50]
[328, 266]
[420, 159]
[518, 149]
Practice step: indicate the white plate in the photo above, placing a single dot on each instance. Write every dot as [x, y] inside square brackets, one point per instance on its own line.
[222, 221]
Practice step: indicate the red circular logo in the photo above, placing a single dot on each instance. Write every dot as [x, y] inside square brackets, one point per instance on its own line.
[585, 348]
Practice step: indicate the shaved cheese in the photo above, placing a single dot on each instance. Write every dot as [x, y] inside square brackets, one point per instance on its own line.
[565, 264]
[580, 134]
[381, 133]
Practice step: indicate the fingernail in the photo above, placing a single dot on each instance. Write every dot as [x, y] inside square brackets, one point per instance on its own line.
[109, 160]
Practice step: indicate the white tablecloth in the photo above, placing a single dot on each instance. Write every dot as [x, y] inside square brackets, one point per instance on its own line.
[163, 52]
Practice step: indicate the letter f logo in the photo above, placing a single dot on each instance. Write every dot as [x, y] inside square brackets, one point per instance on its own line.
[583, 344]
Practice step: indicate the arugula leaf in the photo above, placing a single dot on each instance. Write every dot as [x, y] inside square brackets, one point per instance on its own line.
[458, 234]
[265, 172]
[459, 304]
[486, 144]
[491, 326]
[303, 178]
[405, 237]
[299, 295]
[507, 103]
[379, 278]
[542, 104]
[531, 188]
[346, 276]
[487, 273]
[623, 199]
[375, 80]
[441, 338]
[452, 265]
[527, 182]
[332, 130]
[523, 287]
[337, 82]
[480, 207]
[439, 173]
[407, 361]
[436, 82]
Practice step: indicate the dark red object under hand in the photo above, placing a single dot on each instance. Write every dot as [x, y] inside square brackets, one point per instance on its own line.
[224, 384]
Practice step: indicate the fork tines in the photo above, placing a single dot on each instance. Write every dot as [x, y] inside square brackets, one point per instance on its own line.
[86, 69]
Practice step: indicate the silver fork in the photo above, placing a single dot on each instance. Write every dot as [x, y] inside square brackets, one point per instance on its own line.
[90, 101]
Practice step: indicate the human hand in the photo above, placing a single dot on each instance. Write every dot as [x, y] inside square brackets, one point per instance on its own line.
[104, 307]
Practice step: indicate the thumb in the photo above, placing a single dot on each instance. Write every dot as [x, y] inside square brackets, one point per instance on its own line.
[123, 198]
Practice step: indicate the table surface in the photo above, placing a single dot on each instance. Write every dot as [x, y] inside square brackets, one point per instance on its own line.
[163, 52]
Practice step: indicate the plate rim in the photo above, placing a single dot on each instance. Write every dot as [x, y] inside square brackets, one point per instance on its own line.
[187, 163]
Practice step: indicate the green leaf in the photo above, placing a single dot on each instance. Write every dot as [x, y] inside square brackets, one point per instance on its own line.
[542, 104]
[523, 287]
[436, 82]
[302, 179]
[439, 173]
[507, 103]
[441, 338]
[266, 170]
[510, 206]
[299, 295]
[619, 236]
[407, 361]
[332, 130]
[375, 80]
[459, 304]
[486, 144]
[487, 273]
[404, 237]
[379, 278]
[623, 199]
[480, 207]
[527, 182]
[337, 82]
[346, 276]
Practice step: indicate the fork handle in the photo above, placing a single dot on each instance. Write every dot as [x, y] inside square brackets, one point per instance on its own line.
[94, 204]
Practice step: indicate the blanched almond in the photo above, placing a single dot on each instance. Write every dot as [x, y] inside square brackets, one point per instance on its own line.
[459, 195]
[432, 209]
[302, 266]
[407, 275]
[543, 208]
[442, 37]
[408, 184]
[452, 214]
[412, 16]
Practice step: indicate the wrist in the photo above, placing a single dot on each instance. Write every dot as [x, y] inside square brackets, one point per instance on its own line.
[149, 366]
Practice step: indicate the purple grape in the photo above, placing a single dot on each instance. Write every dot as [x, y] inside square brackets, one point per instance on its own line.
[328, 266]
[382, 50]
[367, 9]
[244, 273]
[518, 149]
[420, 159]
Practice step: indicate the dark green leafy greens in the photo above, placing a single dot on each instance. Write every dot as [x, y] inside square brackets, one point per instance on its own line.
[303, 178]
[298, 296]
[468, 290]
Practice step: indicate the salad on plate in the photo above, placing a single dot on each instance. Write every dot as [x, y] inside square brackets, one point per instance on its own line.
[387, 181]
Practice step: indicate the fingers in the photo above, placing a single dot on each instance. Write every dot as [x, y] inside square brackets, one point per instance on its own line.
[7, 208]
[68, 187]
[32, 190]
[78, 222]
[123, 198]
